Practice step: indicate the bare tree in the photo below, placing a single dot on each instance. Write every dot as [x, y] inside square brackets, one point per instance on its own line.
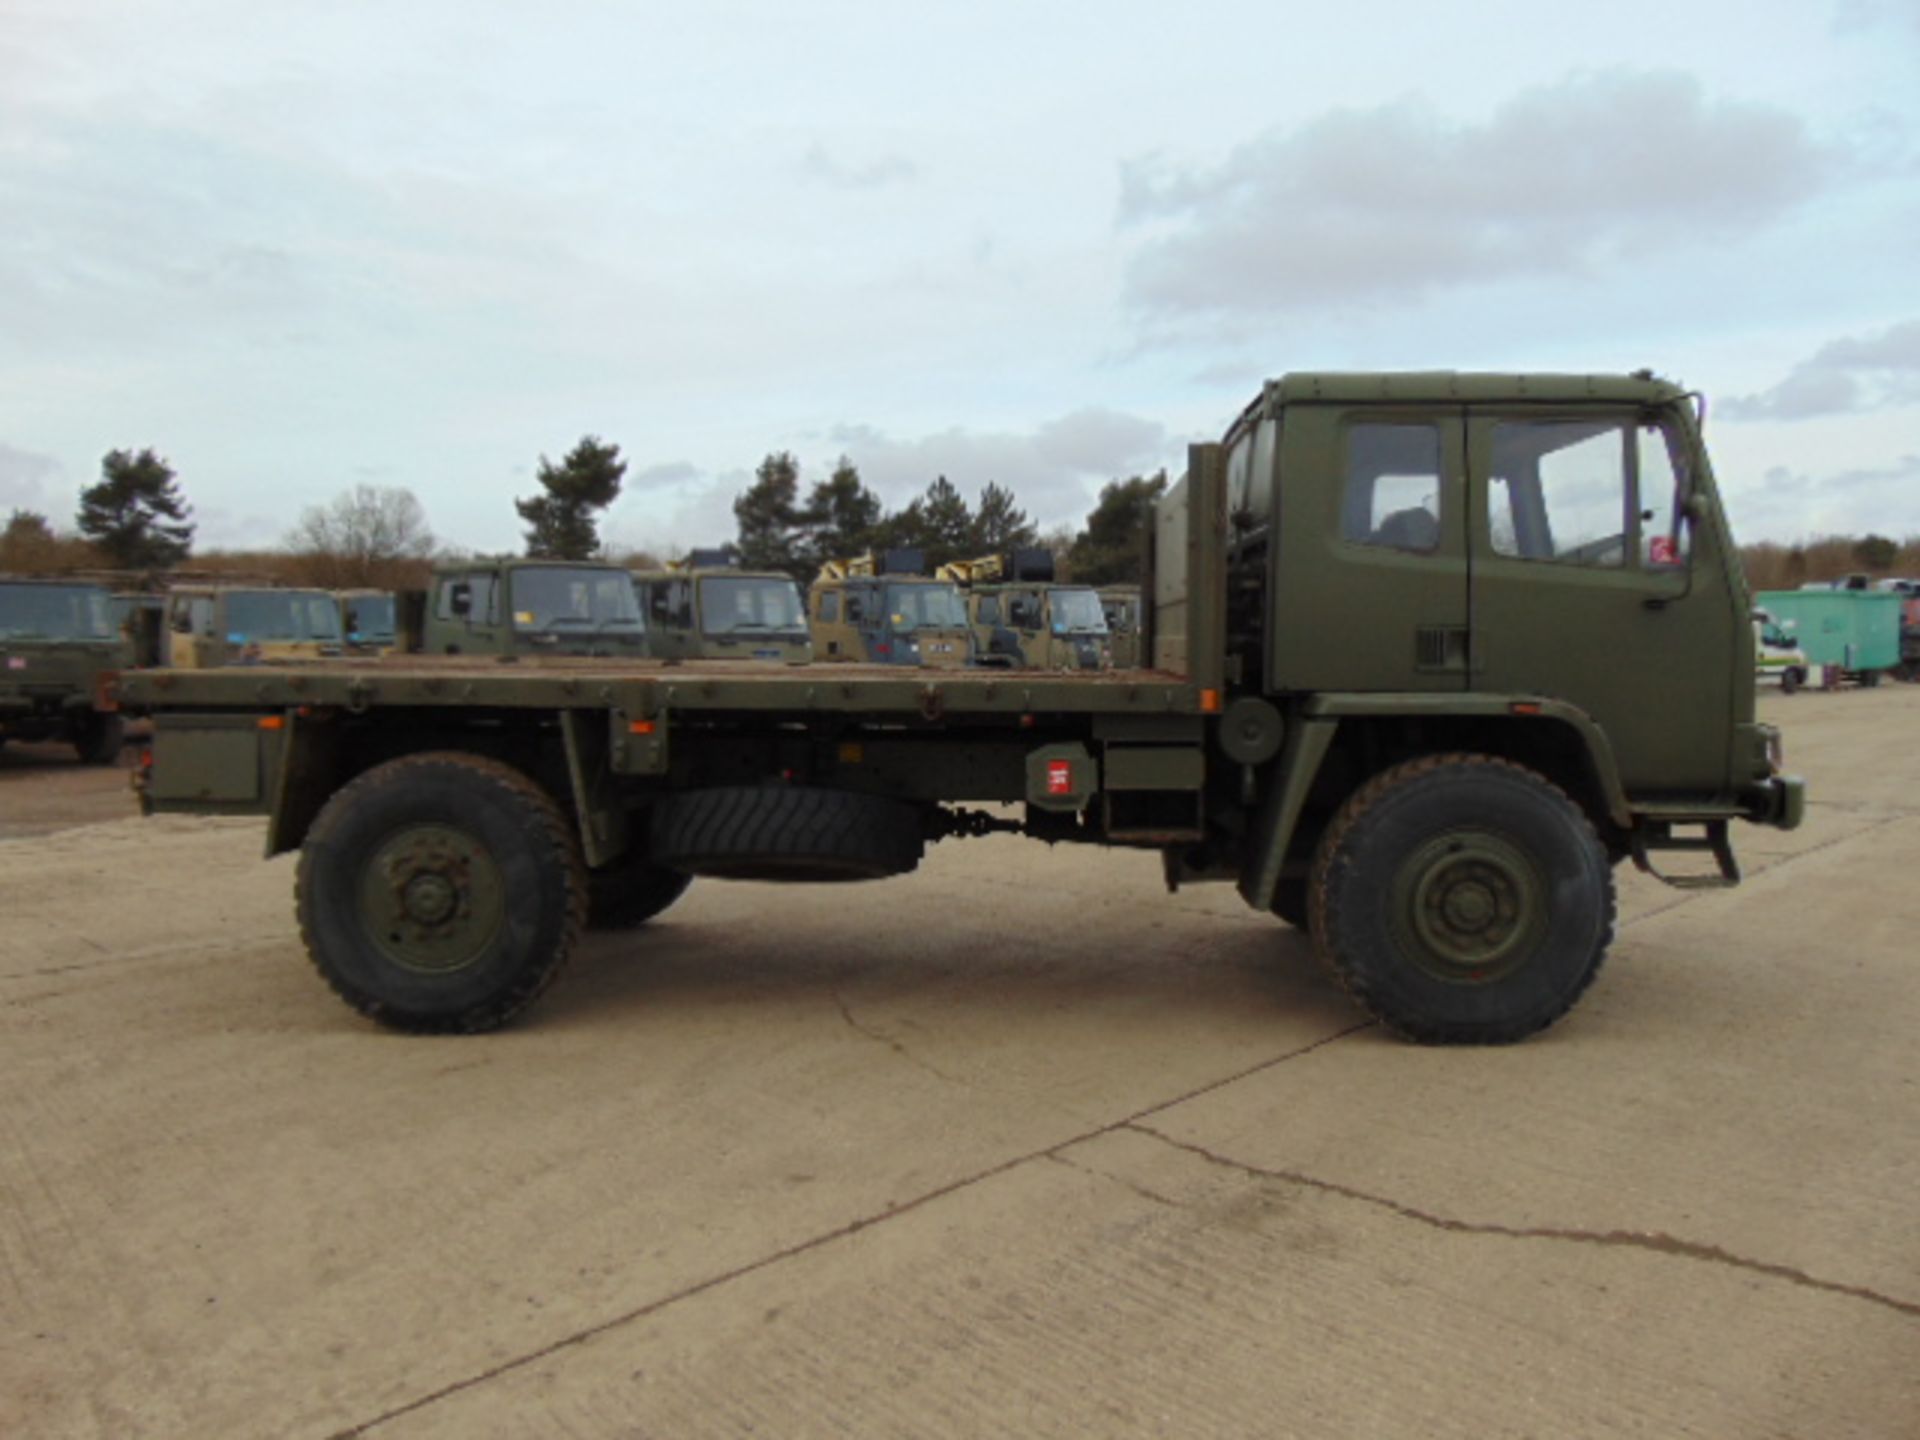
[368, 536]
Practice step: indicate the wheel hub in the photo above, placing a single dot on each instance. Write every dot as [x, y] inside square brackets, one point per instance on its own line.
[1470, 905]
[432, 898]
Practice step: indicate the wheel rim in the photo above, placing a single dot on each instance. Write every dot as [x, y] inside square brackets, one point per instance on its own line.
[432, 899]
[1469, 907]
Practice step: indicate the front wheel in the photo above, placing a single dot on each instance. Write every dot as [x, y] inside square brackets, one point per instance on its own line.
[1462, 899]
[440, 892]
[1791, 679]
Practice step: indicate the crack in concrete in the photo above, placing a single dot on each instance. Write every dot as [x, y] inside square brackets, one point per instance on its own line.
[1142, 1191]
[1652, 1240]
[880, 1037]
[852, 1227]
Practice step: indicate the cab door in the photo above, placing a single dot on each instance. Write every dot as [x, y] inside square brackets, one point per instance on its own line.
[1585, 587]
[1370, 583]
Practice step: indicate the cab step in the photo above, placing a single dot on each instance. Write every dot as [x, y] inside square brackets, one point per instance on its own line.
[1661, 835]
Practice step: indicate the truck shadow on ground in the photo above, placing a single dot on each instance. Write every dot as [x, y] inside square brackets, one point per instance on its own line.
[1217, 977]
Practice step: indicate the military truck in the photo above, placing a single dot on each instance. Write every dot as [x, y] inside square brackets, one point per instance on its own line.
[1120, 604]
[710, 609]
[1023, 621]
[883, 608]
[533, 607]
[1438, 787]
[60, 658]
[212, 625]
[370, 619]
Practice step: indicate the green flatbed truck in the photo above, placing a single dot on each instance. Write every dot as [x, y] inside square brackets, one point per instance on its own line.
[1370, 702]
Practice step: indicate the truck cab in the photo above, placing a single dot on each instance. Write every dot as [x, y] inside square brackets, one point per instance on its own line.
[1023, 620]
[884, 609]
[209, 626]
[533, 607]
[60, 651]
[715, 611]
[1778, 658]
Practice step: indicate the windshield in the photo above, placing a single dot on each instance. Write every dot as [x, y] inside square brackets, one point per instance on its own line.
[1078, 610]
[730, 603]
[557, 597]
[935, 605]
[370, 617]
[54, 612]
[269, 615]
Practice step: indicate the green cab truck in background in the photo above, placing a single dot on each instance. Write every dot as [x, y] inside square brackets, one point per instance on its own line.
[1368, 701]
[61, 649]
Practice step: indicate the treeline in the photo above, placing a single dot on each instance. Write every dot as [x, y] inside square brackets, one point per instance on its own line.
[1771, 566]
[840, 517]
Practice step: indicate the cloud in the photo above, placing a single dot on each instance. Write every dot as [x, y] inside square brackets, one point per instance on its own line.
[1365, 207]
[818, 164]
[1790, 505]
[24, 477]
[1843, 377]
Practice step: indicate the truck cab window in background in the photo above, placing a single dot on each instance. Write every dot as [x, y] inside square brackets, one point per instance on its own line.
[560, 599]
[1392, 493]
[758, 604]
[480, 599]
[1078, 612]
[669, 605]
[282, 615]
[1564, 490]
[925, 607]
[54, 612]
[830, 607]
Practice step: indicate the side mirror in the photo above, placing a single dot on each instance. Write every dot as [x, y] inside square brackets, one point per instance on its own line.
[460, 601]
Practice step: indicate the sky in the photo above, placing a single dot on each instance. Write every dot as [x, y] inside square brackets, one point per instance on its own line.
[297, 248]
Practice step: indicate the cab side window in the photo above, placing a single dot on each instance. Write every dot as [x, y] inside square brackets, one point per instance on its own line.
[1558, 491]
[828, 607]
[1391, 497]
[989, 610]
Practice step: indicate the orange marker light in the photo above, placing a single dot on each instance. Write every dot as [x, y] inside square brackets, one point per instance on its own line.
[1525, 707]
[1210, 702]
[640, 727]
[273, 722]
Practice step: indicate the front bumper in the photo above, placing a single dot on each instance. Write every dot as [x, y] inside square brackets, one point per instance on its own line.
[1780, 802]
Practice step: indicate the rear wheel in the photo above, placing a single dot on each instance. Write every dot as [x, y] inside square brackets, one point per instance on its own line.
[1790, 679]
[440, 892]
[1462, 899]
[787, 833]
[631, 891]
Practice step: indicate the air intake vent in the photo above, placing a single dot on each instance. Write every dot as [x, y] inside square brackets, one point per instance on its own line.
[1440, 648]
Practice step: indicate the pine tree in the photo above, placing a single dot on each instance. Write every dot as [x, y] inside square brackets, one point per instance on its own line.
[999, 525]
[137, 514]
[947, 523]
[841, 517]
[561, 524]
[1113, 547]
[768, 516]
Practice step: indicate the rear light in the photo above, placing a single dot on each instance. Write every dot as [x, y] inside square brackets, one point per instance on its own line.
[880, 647]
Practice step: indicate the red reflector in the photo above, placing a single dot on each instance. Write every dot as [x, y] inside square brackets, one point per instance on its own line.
[1059, 777]
[1525, 707]
[880, 647]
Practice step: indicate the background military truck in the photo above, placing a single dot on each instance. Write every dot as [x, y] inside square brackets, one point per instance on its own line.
[884, 609]
[1438, 787]
[214, 625]
[60, 654]
[1021, 620]
[709, 609]
[533, 607]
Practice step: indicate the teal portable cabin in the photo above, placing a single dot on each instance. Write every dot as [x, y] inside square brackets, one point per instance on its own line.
[1857, 630]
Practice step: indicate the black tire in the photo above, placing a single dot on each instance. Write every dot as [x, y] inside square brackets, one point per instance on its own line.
[1790, 680]
[787, 833]
[440, 892]
[1462, 899]
[631, 891]
[98, 739]
[1870, 678]
[1290, 902]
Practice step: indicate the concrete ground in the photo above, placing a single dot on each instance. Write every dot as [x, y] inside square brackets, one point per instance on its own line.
[1017, 1146]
